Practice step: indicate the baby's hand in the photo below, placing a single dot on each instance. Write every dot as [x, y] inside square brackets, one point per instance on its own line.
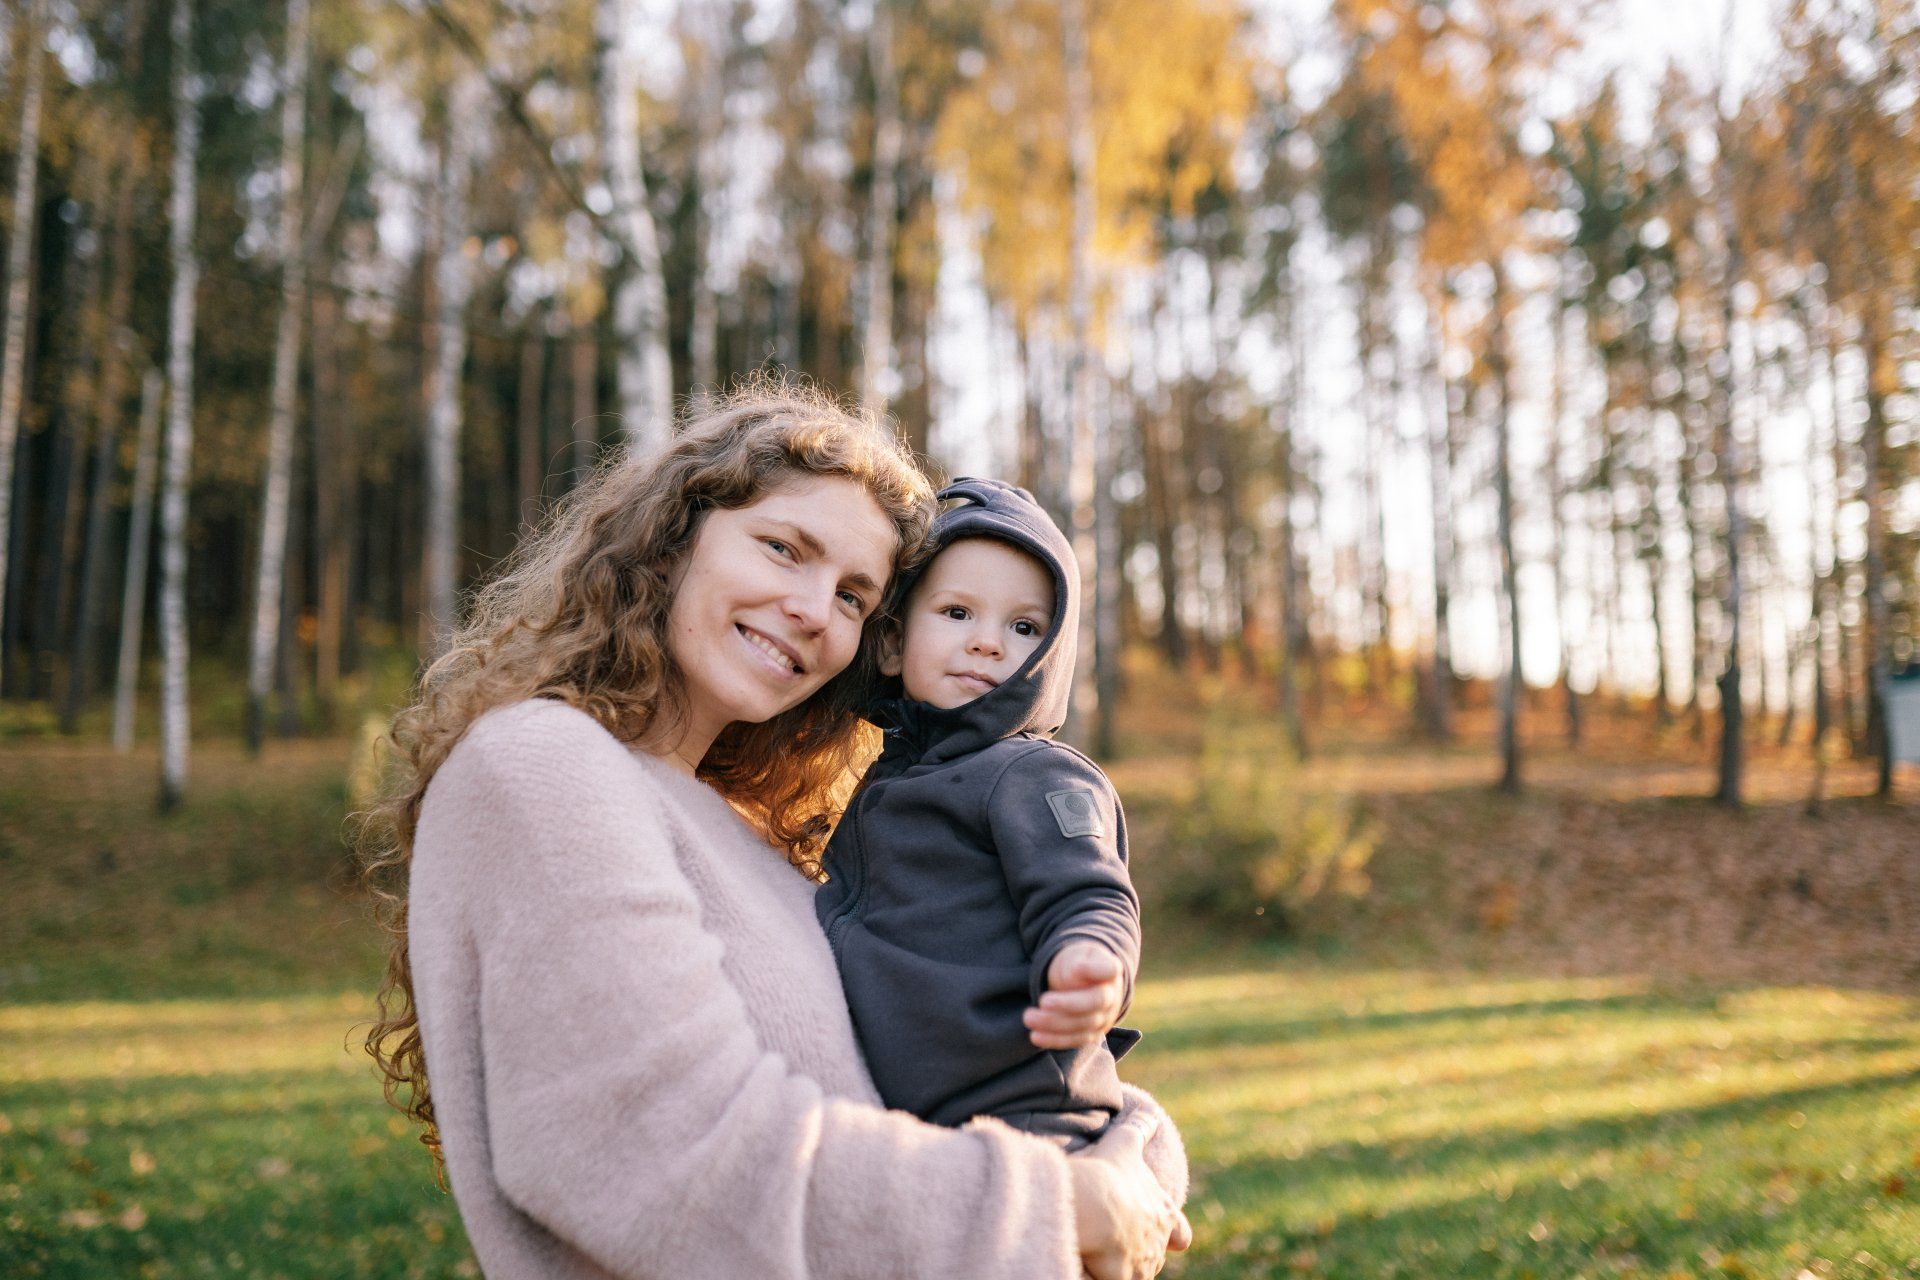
[1085, 991]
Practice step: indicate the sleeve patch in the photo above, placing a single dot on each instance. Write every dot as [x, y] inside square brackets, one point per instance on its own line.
[1077, 812]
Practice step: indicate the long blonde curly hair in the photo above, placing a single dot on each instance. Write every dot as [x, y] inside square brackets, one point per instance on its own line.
[578, 613]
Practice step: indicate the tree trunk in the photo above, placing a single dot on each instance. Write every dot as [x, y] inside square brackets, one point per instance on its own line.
[108, 411]
[1557, 525]
[334, 488]
[1292, 623]
[13, 356]
[1845, 690]
[1031, 444]
[1440, 449]
[453, 281]
[877, 376]
[133, 594]
[530, 453]
[640, 300]
[177, 467]
[1083, 454]
[269, 585]
[1499, 367]
[1686, 493]
[1106, 586]
[583, 354]
[1726, 463]
[79, 404]
[703, 339]
[1882, 381]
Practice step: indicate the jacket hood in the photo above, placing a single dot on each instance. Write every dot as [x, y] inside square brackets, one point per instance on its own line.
[1033, 699]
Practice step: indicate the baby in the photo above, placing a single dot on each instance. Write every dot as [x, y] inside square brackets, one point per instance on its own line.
[978, 900]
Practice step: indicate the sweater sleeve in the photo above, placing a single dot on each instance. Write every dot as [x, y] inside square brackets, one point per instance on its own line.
[1062, 844]
[630, 1109]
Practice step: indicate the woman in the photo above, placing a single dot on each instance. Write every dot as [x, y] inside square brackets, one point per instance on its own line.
[642, 1062]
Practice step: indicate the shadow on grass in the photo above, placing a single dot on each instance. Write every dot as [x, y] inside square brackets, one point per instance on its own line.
[1535, 1213]
[1588, 1135]
[1207, 1031]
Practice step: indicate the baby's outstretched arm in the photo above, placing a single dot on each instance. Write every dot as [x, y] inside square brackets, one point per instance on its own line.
[1086, 994]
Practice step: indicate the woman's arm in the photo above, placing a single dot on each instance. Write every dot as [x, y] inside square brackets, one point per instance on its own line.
[629, 1108]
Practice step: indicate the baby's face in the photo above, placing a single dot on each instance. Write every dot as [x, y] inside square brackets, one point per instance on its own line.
[980, 609]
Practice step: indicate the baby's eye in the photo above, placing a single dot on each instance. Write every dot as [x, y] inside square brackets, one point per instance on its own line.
[957, 612]
[1024, 628]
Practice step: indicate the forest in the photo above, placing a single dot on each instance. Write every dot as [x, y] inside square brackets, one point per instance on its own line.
[1372, 350]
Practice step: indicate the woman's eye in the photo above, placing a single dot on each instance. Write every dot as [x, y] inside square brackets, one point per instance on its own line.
[853, 601]
[778, 547]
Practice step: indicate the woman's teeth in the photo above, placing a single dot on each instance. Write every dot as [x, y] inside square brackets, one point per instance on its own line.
[772, 651]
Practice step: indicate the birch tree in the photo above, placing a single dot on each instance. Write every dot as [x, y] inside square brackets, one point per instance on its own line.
[133, 594]
[13, 357]
[117, 339]
[183, 199]
[268, 585]
[1083, 466]
[453, 279]
[640, 301]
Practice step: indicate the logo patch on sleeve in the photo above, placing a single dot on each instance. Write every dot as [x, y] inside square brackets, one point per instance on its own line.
[1077, 811]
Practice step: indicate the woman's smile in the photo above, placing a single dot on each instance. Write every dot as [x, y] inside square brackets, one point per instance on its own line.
[780, 658]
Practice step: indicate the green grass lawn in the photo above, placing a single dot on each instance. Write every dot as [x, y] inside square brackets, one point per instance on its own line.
[181, 1093]
[1343, 1122]
[1346, 1122]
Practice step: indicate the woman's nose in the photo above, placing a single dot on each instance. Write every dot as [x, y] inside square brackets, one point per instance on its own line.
[810, 607]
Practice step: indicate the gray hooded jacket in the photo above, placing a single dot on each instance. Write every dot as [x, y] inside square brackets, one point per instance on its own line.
[975, 848]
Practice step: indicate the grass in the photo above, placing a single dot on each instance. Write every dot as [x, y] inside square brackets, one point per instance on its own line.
[1344, 1122]
[233, 1137]
[1354, 1122]
[1410, 1092]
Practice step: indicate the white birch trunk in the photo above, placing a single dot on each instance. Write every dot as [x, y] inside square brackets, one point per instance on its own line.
[133, 596]
[1083, 450]
[453, 279]
[13, 359]
[268, 581]
[640, 302]
[876, 360]
[179, 443]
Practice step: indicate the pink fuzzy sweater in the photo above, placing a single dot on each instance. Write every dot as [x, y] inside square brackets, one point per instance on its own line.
[641, 1057]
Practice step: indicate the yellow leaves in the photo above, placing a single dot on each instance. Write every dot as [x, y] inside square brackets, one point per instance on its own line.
[1171, 89]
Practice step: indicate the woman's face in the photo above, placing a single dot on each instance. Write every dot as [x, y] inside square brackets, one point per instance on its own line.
[771, 600]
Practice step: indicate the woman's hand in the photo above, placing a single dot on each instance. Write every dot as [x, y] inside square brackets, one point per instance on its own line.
[1126, 1222]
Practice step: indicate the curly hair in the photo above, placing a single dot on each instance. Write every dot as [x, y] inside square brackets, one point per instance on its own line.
[578, 614]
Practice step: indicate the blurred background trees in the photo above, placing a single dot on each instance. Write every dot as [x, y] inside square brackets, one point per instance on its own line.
[1400, 354]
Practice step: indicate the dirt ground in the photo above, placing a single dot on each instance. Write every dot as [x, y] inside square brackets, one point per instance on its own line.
[1612, 859]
